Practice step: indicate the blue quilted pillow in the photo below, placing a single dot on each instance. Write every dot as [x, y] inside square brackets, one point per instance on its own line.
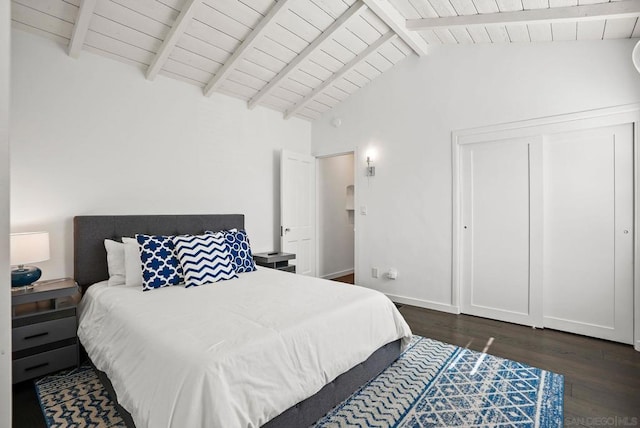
[240, 249]
[160, 265]
[204, 258]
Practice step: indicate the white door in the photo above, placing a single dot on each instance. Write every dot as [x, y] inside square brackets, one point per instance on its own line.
[297, 210]
[588, 236]
[501, 252]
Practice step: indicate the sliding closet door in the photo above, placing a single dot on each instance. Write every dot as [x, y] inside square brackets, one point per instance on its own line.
[501, 248]
[588, 236]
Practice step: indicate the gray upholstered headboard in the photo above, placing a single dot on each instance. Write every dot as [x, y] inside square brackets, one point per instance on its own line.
[89, 233]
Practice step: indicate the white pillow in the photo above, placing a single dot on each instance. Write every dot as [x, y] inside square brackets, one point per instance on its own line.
[132, 263]
[115, 262]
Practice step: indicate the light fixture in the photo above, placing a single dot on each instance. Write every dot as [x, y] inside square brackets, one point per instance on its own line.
[635, 56]
[26, 248]
[371, 169]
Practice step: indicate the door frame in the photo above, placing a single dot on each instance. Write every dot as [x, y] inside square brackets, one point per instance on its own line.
[353, 152]
[619, 115]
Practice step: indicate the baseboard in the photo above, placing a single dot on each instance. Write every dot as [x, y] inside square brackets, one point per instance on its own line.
[637, 347]
[337, 274]
[427, 304]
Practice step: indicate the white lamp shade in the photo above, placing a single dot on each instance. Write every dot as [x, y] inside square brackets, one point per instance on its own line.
[29, 247]
[635, 56]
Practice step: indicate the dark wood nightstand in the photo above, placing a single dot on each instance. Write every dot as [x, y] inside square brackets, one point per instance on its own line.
[44, 328]
[279, 261]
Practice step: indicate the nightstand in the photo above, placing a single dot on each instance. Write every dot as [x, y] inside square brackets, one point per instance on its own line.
[44, 328]
[279, 261]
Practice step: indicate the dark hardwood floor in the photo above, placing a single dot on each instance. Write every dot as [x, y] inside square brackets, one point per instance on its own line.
[602, 379]
[26, 409]
[348, 279]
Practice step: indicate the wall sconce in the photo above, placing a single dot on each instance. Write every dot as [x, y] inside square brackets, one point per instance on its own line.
[371, 169]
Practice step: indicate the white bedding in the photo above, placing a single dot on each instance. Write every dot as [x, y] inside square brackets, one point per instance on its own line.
[235, 353]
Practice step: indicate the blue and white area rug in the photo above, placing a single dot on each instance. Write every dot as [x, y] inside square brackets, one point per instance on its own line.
[434, 384]
[76, 398]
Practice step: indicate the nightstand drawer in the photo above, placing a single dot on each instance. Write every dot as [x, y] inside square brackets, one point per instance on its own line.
[45, 362]
[42, 333]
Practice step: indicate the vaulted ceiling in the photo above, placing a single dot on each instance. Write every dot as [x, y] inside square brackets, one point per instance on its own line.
[303, 57]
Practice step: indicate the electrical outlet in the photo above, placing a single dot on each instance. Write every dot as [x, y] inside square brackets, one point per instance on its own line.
[374, 272]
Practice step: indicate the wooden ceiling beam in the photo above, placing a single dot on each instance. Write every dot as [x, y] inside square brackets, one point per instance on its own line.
[81, 27]
[338, 24]
[588, 12]
[176, 31]
[390, 16]
[340, 73]
[246, 46]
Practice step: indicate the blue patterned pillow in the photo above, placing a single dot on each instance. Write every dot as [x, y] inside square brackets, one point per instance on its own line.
[240, 249]
[160, 265]
[204, 258]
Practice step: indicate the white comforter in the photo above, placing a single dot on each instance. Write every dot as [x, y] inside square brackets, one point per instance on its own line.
[235, 353]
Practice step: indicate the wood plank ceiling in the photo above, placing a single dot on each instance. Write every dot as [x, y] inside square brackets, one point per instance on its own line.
[303, 57]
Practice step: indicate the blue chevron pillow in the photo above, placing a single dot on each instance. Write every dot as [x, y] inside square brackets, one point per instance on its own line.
[160, 266]
[204, 259]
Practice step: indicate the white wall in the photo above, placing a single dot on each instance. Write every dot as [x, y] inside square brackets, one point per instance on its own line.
[335, 223]
[5, 291]
[92, 136]
[407, 115]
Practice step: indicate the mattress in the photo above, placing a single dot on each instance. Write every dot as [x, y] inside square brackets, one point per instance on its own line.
[234, 353]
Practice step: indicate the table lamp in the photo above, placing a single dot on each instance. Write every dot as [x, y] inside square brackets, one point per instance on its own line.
[26, 248]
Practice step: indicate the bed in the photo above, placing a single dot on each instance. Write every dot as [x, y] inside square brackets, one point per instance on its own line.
[284, 349]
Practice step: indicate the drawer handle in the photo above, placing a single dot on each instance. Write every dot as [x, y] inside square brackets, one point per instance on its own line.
[35, 336]
[38, 366]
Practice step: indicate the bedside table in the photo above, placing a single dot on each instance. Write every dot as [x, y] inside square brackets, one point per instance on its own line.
[279, 261]
[44, 328]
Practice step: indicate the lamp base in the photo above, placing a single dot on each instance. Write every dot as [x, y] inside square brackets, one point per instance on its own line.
[25, 275]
